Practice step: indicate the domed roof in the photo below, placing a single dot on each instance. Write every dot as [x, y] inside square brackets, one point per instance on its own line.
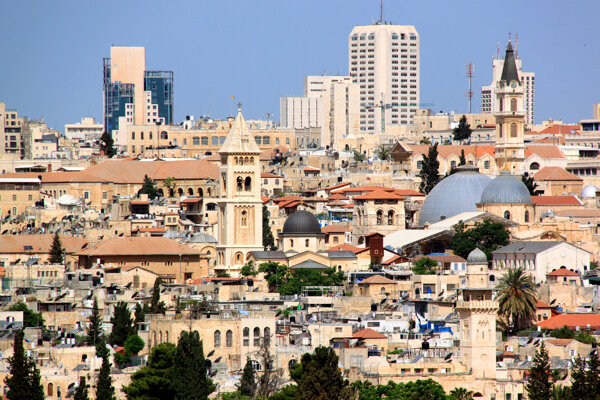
[458, 193]
[301, 222]
[477, 257]
[203, 238]
[67, 200]
[589, 191]
[505, 188]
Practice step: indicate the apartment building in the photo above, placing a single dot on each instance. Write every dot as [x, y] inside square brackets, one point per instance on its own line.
[384, 60]
[14, 131]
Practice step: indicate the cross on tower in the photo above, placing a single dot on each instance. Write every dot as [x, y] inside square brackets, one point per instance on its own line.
[239, 107]
[509, 35]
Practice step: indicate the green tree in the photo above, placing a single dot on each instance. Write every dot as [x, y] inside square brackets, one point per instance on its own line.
[56, 251]
[140, 313]
[383, 152]
[462, 161]
[268, 240]
[81, 393]
[425, 266]
[485, 235]
[461, 393]
[133, 345]
[579, 384]
[107, 145]
[516, 298]
[539, 384]
[153, 382]
[104, 387]
[421, 389]
[358, 156]
[430, 170]
[30, 317]
[289, 283]
[463, 131]
[563, 333]
[223, 274]
[122, 324]
[274, 273]
[95, 327]
[321, 378]
[248, 381]
[23, 380]
[189, 369]
[149, 188]
[592, 374]
[157, 306]
[425, 140]
[561, 392]
[170, 183]
[531, 184]
[248, 269]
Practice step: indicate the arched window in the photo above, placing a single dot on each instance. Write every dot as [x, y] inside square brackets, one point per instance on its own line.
[291, 242]
[292, 363]
[246, 160]
[534, 166]
[200, 192]
[217, 338]
[235, 160]
[267, 334]
[526, 216]
[306, 243]
[255, 365]
[248, 184]
[507, 214]
[180, 192]
[251, 160]
[238, 258]
[241, 160]
[390, 217]
[452, 164]
[160, 336]
[500, 105]
[513, 104]
[50, 389]
[240, 183]
[161, 192]
[513, 130]
[379, 217]
[257, 336]
[244, 219]
[229, 338]
[246, 336]
[190, 191]
[164, 135]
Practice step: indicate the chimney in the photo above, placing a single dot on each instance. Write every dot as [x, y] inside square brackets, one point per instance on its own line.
[374, 242]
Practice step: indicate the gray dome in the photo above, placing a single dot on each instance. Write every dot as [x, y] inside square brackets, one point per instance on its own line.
[589, 191]
[506, 188]
[477, 257]
[203, 238]
[301, 222]
[455, 194]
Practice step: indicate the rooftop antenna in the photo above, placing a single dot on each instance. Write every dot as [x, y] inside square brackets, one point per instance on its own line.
[509, 35]
[469, 73]
[517, 45]
[380, 11]
[498, 50]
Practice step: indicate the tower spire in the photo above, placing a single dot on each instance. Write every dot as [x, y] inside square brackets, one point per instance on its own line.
[509, 70]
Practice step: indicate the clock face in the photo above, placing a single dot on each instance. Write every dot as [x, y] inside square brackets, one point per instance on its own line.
[513, 84]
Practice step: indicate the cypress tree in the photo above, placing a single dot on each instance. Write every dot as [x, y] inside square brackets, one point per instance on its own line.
[149, 188]
[155, 306]
[593, 372]
[18, 381]
[321, 378]
[56, 251]
[539, 385]
[107, 145]
[95, 326]
[122, 324]
[463, 131]
[268, 239]
[579, 389]
[104, 387]
[462, 160]
[430, 170]
[248, 381]
[82, 391]
[190, 381]
[36, 390]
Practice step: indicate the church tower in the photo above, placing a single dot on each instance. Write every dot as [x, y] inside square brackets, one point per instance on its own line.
[477, 308]
[240, 205]
[510, 117]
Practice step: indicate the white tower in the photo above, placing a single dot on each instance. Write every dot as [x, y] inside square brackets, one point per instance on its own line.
[240, 205]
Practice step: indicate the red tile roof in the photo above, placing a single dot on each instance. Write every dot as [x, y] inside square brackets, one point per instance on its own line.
[376, 280]
[191, 200]
[572, 321]
[312, 169]
[347, 247]
[544, 151]
[268, 175]
[556, 201]
[446, 151]
[139, 202]
[559, 129]
[287, 198]
[559, 342]
[338, 196]
[368, 333]
[562, 271]
[265, 199]
[336, 228]
[139, 246]
[541, 304]
[555, 174]
[379, 195]
[339, 185]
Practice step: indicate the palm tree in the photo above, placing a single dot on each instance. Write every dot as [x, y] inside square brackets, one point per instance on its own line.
[170, 184]
[461, 393]
[383, 152]
[358, 156]
[516, 298]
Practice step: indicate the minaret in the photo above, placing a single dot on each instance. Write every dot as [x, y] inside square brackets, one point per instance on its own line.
[240, 205]
[477, 308]
[510, 117]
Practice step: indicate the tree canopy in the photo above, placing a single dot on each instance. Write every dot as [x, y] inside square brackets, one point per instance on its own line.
[486, 235]
[320, 377]
[107, 145]
[248, 381]
[56, 251]
[23, 380]
[153, 382]
[425, 266]
[122, 325]
[149, 188]
[268, 240]
[95, 327]
[430, 170]
[539, 384]
[532, 186]
[463, 131]
[421, 389]
[30, 317]
[286, 281]
[104, 387]
[189, 369]
[517, 298]
[81, 393]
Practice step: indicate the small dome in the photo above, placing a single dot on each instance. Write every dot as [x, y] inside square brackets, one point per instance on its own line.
[203, 238]
[301, 222]
[477, 257]
[458, 193]
[67, 200]
[589, 191]
[504, 189]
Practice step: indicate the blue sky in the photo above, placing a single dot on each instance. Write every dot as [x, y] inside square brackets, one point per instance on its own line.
[260, 50]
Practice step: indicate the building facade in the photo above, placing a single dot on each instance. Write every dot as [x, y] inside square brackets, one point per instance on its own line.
[384, 60]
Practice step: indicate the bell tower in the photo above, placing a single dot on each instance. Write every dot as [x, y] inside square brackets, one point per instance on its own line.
[477, 308]
[240, 205]
[510, 117]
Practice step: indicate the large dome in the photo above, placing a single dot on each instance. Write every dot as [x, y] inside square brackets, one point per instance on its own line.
[589, 191]
[477, 257]
[458, 193]
[504, 189]
[301, 223]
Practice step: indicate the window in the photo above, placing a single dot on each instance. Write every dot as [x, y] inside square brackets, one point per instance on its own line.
[257, 336]
[452, 164]
[419, 164]
[248, 184]
[244, 219]
[86, 195]
[513, 104]
[486, 164]
[306, 242]
[164, 135]
[204, 140]
[214, 140]
[526, 216]
[513, 130]
[379, 217]
[534, 166]
[507, 214]
[240, 183]
[266, 140]
[246, 336]
[267, 335]
[229, 338]
[390, 217]
[255, 365]
[196, 140]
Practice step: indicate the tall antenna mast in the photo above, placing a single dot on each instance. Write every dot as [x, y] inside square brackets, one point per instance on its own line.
[498, 50]
[517, 44]
[381, 11]
[469, 73]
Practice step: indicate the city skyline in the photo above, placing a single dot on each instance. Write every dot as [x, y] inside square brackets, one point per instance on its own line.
[216, 51]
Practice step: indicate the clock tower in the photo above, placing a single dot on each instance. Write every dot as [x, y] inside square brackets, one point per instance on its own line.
[240, 205]
[510, 117]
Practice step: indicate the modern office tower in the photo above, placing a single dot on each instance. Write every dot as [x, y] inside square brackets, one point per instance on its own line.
[133, 95]
[384, 60]
[15, 131]
[300, 112]
[488, 94]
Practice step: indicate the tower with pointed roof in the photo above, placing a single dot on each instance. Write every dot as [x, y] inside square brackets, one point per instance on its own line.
[510, 117]
[240, 205]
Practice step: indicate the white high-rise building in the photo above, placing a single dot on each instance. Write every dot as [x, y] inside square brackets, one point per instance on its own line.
[488, 93]
[300, 112]
[384, 60]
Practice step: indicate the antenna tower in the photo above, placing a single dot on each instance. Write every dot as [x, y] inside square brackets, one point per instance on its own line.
[469, 73]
